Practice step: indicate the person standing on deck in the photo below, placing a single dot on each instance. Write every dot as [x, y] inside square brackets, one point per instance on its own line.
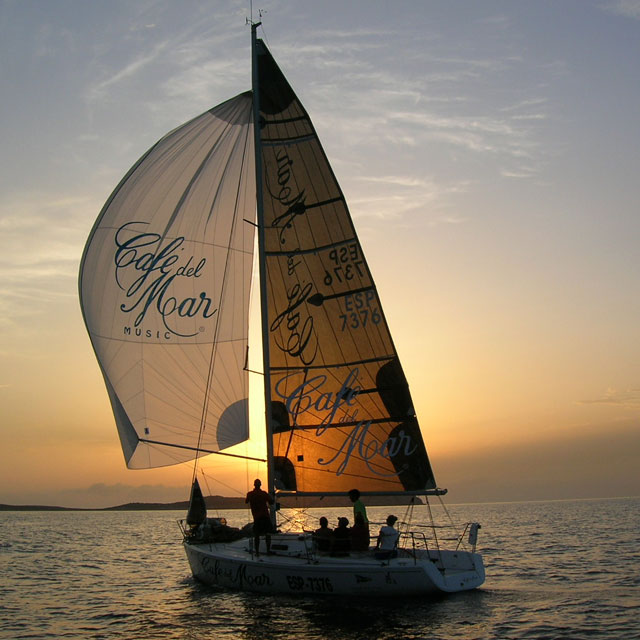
[259, 502]
[358, 507]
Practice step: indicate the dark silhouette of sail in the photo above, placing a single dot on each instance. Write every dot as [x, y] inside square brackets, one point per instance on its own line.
[197, 512]
[342, 414]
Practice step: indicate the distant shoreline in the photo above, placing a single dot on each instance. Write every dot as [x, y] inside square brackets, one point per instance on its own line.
[212, 502]
[222, 502]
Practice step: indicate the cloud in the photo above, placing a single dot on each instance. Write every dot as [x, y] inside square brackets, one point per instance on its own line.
[98, 91]
[181, 66]
[364, 101]
[41, 240]
[595, 461]
[372, 104]
[626, 8]
[394, 196]
[627, 398]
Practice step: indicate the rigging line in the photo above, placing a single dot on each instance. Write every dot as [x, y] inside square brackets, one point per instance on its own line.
[348, 423]
[224, 484]
[200, 450]
[222, 292]
[207, 483]
[342, 294]
[452, 524]
[405, 523]
[197, 241]
[336, 365]
[433, 528]
[317, 248]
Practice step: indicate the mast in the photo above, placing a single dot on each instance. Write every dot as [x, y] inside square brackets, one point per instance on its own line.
[262, 267]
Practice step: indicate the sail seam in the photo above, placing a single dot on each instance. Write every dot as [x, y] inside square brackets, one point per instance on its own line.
[318, 249]
[285, 120]
[273, 142]
[335, 365]
[350, 423]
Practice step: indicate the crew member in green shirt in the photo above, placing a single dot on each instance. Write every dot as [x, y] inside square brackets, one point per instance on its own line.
[358, 506]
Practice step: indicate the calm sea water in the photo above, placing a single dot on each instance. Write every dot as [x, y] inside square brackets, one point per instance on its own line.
[567, 569]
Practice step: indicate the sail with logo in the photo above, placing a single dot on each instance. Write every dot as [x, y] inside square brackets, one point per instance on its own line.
[165, 285]
[342, 413]
[164, 289]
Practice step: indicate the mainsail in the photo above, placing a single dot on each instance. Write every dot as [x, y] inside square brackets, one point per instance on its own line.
[341, 411]
[164, 289]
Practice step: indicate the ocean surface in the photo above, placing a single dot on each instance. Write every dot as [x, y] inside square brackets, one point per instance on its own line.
[566, 569]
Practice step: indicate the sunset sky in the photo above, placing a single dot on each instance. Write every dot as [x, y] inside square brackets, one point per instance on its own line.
[490, 155]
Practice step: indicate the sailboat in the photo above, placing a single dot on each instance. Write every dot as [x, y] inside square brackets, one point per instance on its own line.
[165, 283]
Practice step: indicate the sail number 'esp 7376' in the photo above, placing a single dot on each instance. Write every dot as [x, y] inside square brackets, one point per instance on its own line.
[348, 264]
[359, 310]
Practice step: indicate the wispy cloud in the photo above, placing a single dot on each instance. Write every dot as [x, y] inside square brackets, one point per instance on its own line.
[395, 196]
[40, 243]
[626, 8]
[371, 102]
[98, 90]
[628, 398]
[362, 99]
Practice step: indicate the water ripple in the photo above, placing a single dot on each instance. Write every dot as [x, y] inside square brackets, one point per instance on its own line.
[554, 570]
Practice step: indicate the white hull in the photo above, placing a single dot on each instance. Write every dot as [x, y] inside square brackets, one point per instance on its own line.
[295, 568]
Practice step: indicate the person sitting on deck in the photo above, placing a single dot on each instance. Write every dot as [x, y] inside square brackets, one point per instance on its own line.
[359, 534]
[341, 539]
[322, 536]
[387, 540]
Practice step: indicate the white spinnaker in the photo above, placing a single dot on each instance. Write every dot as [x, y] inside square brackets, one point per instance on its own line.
[164, 289]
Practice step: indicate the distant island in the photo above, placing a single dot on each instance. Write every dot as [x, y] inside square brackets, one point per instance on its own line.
[220, 502]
